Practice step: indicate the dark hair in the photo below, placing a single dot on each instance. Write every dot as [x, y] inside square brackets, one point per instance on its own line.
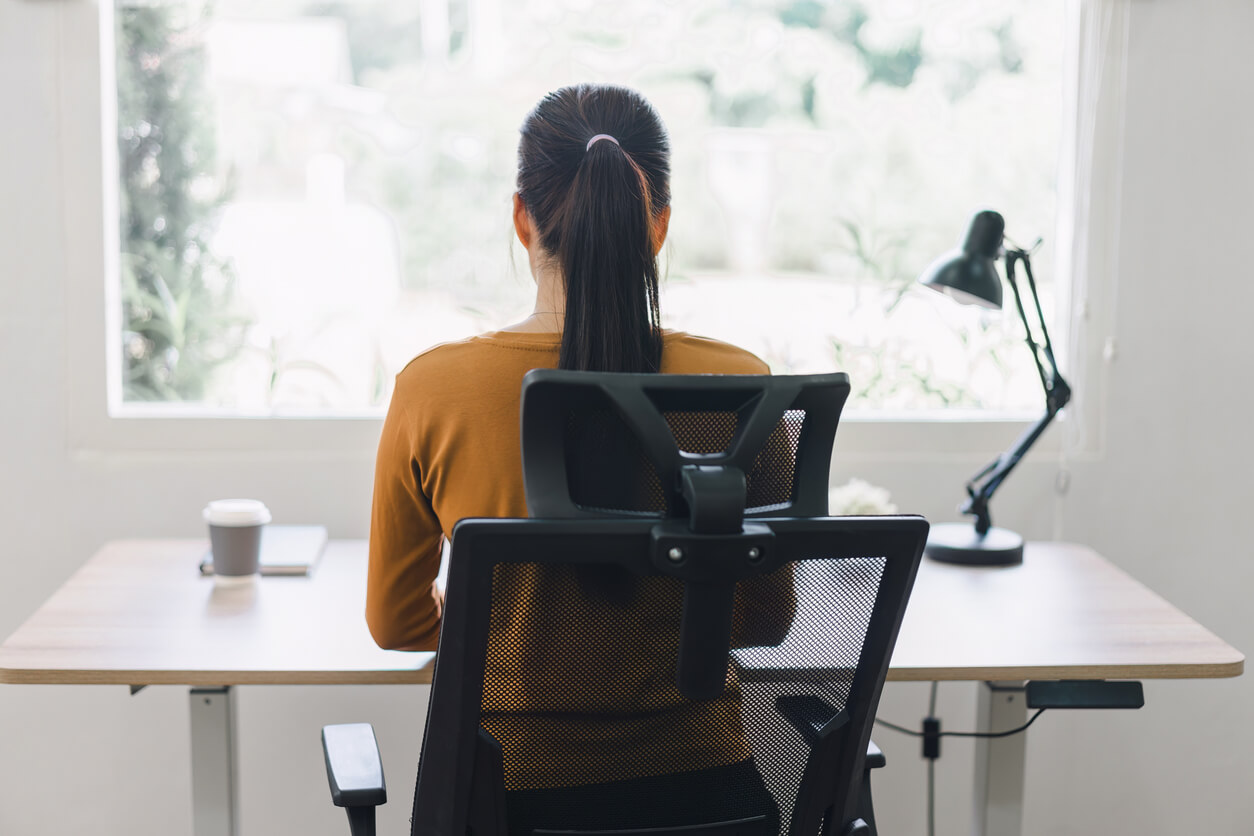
[595, 207]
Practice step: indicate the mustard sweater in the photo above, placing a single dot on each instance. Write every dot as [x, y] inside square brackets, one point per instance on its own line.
[449, 450]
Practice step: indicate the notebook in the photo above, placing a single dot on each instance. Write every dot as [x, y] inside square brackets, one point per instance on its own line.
[285, 550]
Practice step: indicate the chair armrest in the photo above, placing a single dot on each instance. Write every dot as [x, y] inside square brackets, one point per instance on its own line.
[866, 807]
[874, 757]
[813, 717]
[817, 720]
[355, 773]
[354, 769]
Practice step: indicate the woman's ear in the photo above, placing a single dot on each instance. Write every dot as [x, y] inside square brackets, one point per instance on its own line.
[522, 222]
[660, 227]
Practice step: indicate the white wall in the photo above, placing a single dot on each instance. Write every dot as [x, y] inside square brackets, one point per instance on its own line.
[1160, 498]
[1168, 499]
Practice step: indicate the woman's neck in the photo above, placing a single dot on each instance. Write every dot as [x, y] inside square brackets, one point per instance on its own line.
[540, 322]
[549, 312]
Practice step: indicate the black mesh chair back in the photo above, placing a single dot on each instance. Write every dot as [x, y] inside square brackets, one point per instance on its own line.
[644, 659]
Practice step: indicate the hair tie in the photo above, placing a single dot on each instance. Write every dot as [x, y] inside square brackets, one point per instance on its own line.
[588, 147]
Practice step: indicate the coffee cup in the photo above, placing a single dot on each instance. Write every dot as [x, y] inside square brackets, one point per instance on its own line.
[235, 537]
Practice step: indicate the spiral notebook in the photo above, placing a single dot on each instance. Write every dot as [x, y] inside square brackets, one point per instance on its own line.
[292, 550]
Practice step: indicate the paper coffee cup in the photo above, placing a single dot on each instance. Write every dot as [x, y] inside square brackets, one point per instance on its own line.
[235, 537]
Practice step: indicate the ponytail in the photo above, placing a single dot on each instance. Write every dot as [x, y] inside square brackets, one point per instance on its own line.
[596, 204]
[606, 256]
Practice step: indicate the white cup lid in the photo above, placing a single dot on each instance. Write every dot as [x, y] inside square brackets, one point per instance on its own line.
[237, 512]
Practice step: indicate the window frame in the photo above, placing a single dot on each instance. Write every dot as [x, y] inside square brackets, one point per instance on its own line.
[87, 112]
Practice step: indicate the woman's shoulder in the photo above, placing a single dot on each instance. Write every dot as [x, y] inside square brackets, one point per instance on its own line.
[474, 363]
[453, 355]
[685, 353]
[439, 358]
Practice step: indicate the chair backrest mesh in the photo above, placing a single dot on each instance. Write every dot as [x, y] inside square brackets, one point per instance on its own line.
[608, 471]
[606, 707]
[837, 598]
[772, 481]
[606, 466]
[566, 630]
[582, 689]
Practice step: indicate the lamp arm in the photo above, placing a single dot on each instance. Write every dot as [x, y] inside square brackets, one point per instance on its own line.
[1047, 346]
[982, 486]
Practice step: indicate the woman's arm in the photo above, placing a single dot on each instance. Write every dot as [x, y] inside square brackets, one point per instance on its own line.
[403, 605]
[765, 608]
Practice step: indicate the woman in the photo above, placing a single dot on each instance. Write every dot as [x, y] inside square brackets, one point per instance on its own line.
[592, 209]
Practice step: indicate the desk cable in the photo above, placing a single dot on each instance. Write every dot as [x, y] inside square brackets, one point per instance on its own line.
[1007, 733]
[931, 735]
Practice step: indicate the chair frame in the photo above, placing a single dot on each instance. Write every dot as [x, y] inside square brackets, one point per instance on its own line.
[460, 787]
[443, 798]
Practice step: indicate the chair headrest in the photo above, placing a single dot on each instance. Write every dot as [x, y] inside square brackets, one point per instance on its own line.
[599, 444]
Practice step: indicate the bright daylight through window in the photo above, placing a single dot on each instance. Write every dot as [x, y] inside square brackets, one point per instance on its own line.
[313, 192]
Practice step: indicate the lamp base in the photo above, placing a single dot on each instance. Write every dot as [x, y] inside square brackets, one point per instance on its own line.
[958, 543]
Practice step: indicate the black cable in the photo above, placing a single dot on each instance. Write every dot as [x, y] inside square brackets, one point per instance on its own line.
[931, 770]
[931, 798]
[1007, 733]
[931, 763]
[898, 728]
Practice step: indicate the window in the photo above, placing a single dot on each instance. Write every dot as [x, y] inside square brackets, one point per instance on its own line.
[313, 192]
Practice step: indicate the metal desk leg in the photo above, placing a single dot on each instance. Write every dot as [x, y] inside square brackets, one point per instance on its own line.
[999, 761]
[215, 790]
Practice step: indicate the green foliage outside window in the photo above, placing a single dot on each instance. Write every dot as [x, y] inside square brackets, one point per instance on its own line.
[863, 135]
[178, 321]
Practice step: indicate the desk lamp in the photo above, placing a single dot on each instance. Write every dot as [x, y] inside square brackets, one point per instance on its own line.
[970, 276]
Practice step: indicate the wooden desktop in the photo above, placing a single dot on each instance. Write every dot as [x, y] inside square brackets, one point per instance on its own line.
[139, 613]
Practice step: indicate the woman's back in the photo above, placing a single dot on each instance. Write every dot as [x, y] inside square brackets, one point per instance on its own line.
[450, 449]
[454, 431]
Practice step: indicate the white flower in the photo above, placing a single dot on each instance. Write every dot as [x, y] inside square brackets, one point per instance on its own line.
[859, 498]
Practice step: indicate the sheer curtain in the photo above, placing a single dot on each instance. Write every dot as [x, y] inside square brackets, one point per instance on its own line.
[1091, 166]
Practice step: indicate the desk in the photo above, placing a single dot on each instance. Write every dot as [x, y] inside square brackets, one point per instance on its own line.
[138, 613]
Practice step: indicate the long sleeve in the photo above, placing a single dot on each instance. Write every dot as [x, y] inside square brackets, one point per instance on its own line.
[402, 605]
[765, 609]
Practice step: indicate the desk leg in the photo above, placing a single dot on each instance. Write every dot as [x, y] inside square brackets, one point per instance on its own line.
[214, 774]
[999, 761]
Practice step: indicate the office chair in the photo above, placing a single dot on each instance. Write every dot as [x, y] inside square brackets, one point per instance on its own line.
[678, 535]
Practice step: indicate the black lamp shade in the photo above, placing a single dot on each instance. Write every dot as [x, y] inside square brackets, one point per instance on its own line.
[970, 275]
